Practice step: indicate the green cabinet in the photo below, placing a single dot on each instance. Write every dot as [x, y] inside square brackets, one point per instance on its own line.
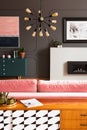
[13, 66]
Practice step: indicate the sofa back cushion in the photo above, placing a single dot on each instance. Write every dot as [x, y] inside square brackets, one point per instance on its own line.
[62, 86]
[18, 85]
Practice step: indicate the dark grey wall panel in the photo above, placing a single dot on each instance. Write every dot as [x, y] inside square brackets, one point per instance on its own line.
[38, 49]
[32, 68]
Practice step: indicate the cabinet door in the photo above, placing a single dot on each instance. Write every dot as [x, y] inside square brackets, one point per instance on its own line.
[19, 67]
[15, 67]
[29, 120]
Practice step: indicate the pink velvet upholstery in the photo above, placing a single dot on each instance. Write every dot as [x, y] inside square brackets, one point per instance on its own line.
[21, 85]
[47, 95]
[31, 88]
[62, 86]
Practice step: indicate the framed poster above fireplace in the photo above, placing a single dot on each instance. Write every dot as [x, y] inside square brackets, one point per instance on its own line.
[75, 30]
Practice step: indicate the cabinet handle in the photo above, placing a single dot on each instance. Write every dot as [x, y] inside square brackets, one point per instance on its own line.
[83, 114]
[83, 124]
[3, 73]
[12, 61]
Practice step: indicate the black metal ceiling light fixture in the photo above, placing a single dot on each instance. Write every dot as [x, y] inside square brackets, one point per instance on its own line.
[39, 22]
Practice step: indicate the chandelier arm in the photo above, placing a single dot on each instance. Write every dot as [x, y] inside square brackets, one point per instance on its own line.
[40, 4]
[46, 23]
[35, 19]
[40, 26]
[31, 24]
[50, 26]
[44, 28]
[48, 17]
[32, 14]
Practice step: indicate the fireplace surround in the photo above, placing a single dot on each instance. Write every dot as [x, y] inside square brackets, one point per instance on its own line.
[58, 62]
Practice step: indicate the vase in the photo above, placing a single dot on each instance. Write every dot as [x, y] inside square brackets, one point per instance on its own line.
[22, 55]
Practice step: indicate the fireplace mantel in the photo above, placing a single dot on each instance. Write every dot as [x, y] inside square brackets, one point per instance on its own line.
[58, 62]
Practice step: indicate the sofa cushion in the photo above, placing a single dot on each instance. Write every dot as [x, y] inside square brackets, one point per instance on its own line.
[47, 95]
[62, 86]
[18, 85]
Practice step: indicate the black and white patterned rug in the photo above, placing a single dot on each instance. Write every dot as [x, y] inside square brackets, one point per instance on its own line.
[30, 120]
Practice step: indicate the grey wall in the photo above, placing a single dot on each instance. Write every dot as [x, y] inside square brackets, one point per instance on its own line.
[38, 49]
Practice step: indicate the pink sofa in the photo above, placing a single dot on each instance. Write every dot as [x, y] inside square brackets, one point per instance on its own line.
[33, 88]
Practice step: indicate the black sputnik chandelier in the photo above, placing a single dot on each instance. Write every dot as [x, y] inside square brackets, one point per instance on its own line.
[39, 23]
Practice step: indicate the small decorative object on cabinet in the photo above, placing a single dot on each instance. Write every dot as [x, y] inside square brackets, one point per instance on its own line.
[22, 52]
[5, 100]
[9, 56]
[3, 56]
[3, 97]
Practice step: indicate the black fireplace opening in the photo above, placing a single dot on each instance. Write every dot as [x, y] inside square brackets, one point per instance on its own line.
[77, 67]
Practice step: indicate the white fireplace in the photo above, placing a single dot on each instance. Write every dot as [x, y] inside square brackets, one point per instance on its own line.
[59, 57]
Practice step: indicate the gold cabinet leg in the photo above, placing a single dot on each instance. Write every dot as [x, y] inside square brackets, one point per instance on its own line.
[19, 77]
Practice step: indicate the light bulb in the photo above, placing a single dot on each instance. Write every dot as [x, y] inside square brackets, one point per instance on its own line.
[41, 19]
[28, 10]
[55, 14]
[53, 27]
[41, 33]
[34, 34]
[39, 11]
[53, 21]
[28, 27]
[26, 19]
[47, 33]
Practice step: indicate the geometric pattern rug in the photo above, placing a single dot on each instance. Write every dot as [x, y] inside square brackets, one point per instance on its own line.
[30, 120]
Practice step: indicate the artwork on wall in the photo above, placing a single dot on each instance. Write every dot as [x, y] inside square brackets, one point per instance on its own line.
[75, 30]
[9, 31]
